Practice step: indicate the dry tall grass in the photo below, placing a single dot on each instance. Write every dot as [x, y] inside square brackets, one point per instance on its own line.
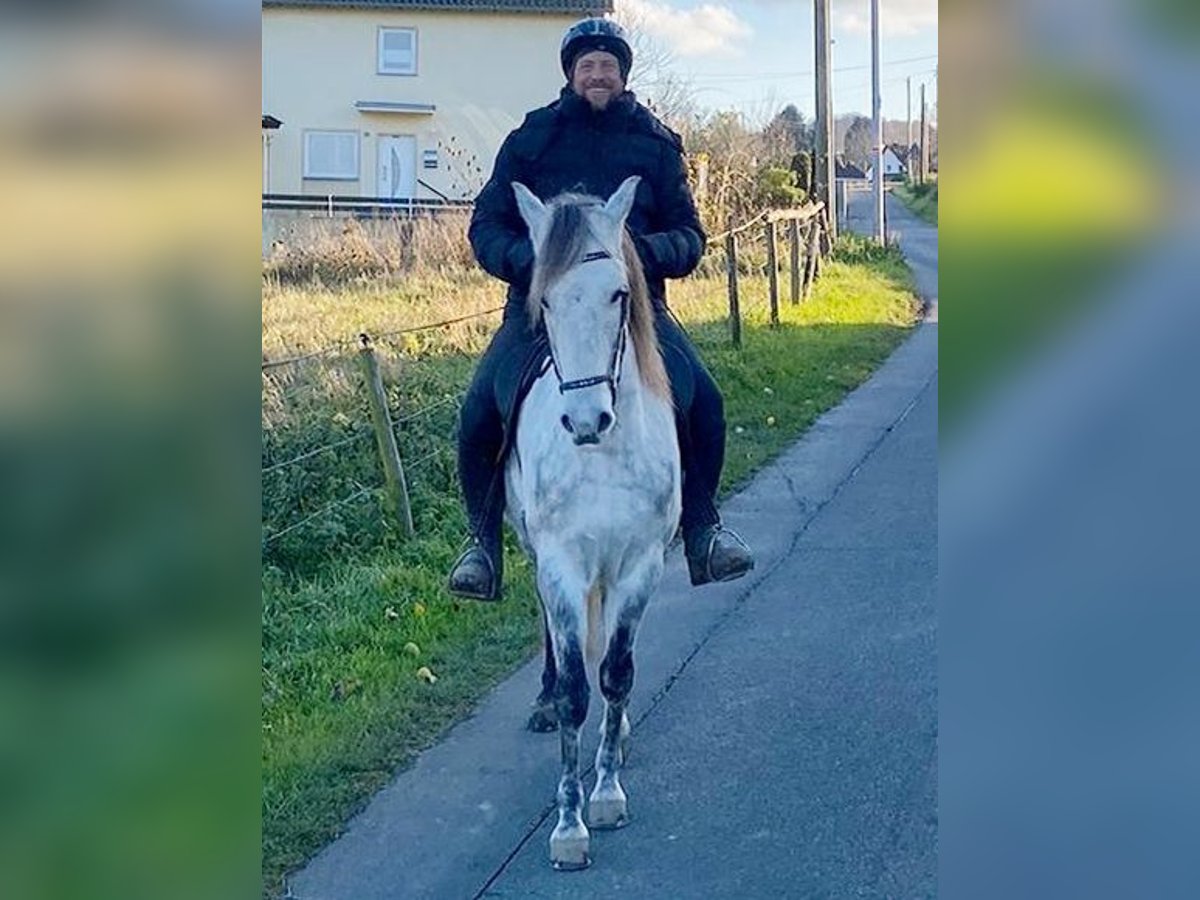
[332, 252]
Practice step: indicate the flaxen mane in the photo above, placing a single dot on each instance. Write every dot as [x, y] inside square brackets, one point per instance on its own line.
[563, 249]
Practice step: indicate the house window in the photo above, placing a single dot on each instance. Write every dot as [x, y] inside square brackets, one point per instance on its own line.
[331, 155]
[397, 51]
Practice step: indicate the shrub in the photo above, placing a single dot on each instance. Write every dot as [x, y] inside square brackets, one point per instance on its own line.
[777, 187]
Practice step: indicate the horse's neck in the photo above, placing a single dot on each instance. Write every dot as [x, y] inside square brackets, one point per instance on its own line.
[633, 395]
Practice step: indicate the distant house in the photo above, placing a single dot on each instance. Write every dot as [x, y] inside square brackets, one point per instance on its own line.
[844, 170]
[403, 98]
[895, 163]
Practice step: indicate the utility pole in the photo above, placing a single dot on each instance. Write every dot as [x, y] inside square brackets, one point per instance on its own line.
[823, 159]
[877, 125]
[924, 142]
[908, 146]
[931, 123]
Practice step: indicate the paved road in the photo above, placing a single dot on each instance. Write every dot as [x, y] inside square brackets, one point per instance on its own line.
[785, 725]
[917, 238]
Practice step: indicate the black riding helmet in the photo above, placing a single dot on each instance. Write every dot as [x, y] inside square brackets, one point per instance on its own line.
[596, 34]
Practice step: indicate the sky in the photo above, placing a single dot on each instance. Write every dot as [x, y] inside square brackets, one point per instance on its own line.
[757, 55]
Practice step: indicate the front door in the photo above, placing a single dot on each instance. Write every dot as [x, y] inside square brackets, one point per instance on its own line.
[397, 166]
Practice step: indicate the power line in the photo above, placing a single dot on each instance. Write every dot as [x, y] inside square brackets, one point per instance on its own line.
[758, 76]
[854, 89]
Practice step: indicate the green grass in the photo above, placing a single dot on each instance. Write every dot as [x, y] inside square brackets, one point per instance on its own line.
[921, 199]
[351, 613]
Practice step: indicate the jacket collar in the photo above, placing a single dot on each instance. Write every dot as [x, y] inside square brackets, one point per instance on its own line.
[619, 109]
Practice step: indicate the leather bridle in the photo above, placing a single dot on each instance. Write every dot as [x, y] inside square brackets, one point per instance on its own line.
[613, 377]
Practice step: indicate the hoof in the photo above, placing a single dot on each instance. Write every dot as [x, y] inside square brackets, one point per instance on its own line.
[543, 719]
[608, 810]
[569, 851]
[608, 815]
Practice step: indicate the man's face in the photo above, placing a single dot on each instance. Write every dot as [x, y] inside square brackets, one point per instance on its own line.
[597, 78]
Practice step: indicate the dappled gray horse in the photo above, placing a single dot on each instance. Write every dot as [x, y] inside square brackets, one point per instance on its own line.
[593, 484]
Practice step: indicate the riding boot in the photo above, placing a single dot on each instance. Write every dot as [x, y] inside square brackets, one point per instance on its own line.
[478, 572]
[715, 553]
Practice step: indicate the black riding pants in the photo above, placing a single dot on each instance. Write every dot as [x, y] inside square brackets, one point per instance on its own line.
[699, 420]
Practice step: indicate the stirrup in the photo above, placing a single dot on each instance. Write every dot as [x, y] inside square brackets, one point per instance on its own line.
[475, 574]
[715, 563]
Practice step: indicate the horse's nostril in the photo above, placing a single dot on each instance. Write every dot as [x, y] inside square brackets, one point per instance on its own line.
[566, 423]
[605, 421]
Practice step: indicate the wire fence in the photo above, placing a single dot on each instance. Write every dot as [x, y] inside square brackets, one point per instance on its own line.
[322, 446]
[348, 343]
[718, 240]
[337, 417]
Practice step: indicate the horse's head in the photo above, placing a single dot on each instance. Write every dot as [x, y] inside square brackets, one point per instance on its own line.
[581, 288]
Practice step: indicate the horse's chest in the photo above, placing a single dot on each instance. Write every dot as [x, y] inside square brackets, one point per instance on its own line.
[568, 488]
[619, 488]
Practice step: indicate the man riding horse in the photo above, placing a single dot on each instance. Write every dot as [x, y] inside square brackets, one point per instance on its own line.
[589, 141]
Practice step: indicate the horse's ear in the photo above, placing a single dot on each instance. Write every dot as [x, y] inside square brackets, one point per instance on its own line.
[621, 201]
[533, 211]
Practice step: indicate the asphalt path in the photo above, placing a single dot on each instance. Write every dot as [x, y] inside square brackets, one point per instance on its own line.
[916, 238]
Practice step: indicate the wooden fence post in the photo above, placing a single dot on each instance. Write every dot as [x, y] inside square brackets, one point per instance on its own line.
[824, 245]
[810, 269]
[385, 438]
[794, 234]
[735, 311]
[772, 271]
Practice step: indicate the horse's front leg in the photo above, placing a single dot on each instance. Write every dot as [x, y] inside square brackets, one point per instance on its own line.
[608, 805]
[544, 716]
[566, 620]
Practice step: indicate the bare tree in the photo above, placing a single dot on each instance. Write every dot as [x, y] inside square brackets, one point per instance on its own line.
[654, 77]
[859, 141]
[786, 134]
[731, 153]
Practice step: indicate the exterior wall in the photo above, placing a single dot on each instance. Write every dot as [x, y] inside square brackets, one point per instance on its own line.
[892, 164]
[482, 72]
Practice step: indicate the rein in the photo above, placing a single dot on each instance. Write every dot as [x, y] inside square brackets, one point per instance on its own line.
[613, 376]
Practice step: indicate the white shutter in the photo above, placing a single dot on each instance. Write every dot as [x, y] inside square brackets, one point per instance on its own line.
[331, 155]
[398, 51]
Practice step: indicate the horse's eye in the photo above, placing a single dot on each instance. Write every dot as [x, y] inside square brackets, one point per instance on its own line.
[545, 303]
[619, 295]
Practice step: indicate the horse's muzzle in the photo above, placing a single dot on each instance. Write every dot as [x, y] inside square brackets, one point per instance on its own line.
[587, 432]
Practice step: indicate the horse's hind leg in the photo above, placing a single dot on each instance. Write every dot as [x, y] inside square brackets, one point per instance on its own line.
[545, 716]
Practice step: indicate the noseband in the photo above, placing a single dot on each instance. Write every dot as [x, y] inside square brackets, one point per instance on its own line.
[613, 377]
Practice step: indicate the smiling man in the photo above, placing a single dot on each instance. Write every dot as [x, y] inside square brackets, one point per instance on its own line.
[589, 141]
[597, 77]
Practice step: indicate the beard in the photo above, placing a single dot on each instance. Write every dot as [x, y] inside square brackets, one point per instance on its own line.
[599, 94]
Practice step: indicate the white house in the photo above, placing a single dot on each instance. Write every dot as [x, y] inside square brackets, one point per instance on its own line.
[895, 163]
[402, 98]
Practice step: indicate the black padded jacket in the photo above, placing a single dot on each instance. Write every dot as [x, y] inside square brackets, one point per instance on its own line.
[567, 146]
